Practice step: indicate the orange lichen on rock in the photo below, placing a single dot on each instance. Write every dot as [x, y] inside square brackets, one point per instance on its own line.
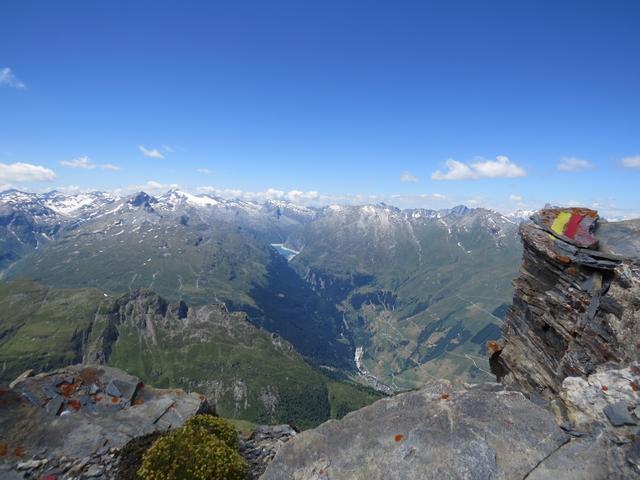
[399, 437]
[444, 396]
[74, 404]
[634, 386]
[138, 401]
[19, 452]
[3, 449]
[68, 389]
[605, 388]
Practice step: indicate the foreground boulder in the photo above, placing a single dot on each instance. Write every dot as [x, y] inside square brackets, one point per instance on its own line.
[441, 431]
[448, 431]
[72, 420]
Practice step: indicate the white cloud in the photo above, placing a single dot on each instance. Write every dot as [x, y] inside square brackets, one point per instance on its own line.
[79, 162]
[299, 197]
[457, 171]
[501, 167]
[8, 79]
[153, 187]
[420, 196]
[631, 162]
[312, 197]
[573, 164]
[436, 196]
[86, 163]
[150, 152]
[408, 177]
[168, 148]
[72, 189]
[5, 186]
[109, 166]
[25, 172]
[204, 171]
[515, 198]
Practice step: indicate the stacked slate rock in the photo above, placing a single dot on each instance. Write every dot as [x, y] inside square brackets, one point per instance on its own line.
[575, 306]
[571, 339]
[70, 423]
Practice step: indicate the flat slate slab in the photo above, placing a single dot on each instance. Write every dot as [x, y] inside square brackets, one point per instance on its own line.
[618, 414]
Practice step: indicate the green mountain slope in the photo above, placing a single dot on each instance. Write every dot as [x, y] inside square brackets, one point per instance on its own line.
[420, 291]
[248, 372]
[178, 254]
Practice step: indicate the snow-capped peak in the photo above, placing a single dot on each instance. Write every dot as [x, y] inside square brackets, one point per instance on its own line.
[68, 204]
[521, 215]
[177, 197]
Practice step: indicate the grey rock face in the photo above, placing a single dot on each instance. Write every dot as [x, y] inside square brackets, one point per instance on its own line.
[262, 445]
[607, 396]
[574, 309]
[443, 431]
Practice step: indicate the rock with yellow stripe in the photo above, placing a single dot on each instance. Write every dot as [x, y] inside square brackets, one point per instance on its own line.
[573, 225]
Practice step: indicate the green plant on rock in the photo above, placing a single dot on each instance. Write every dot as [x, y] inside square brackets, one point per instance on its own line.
[193, 452]
[216, 426]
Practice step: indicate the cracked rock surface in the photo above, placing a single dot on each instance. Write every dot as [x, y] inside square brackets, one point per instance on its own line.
[443, 431]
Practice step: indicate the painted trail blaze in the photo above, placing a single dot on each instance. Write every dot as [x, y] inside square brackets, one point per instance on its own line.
[573, 225]
[567, 224]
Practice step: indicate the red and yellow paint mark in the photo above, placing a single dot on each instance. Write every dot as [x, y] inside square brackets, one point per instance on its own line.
[567, 224]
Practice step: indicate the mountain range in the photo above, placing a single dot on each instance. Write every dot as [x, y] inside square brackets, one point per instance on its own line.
[385, 296]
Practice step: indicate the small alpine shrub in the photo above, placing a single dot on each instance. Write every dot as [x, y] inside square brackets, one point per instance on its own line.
[192, 452]
[216, 426]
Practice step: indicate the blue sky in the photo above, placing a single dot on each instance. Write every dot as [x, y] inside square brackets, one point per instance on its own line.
[414, 103]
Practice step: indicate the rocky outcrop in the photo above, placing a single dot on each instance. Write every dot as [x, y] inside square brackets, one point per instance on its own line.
[70, 423]
[574, 308]
[441, 431]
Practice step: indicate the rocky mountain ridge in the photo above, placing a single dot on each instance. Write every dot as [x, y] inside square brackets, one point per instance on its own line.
[324, 299]
[248, 372]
